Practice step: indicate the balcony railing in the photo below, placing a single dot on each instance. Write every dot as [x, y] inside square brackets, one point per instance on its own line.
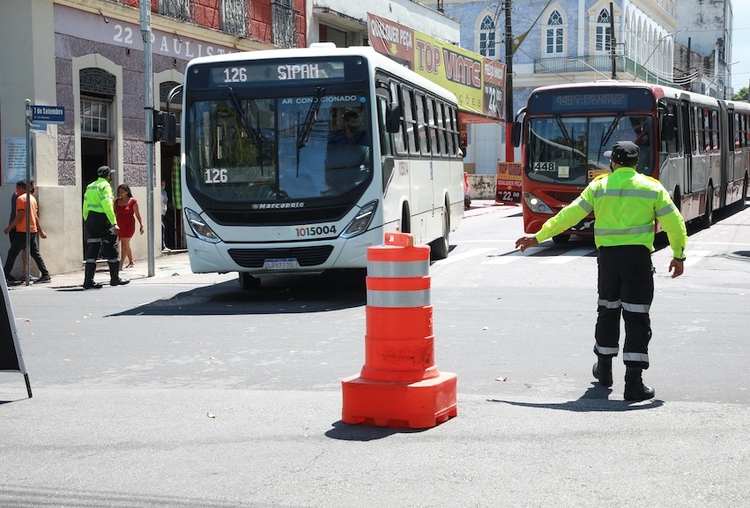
[602, 65]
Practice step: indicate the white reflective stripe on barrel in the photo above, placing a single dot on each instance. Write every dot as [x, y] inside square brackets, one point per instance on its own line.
[420, 298]
[398, 268]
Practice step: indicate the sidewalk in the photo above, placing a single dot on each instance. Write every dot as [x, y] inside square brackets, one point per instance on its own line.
[166, 264]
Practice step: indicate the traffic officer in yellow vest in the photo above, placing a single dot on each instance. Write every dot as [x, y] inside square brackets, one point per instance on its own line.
[625, 204]
[101, 229]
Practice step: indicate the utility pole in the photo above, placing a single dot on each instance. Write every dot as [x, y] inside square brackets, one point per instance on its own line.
[509, 152]
[149, 108]
[612, 40]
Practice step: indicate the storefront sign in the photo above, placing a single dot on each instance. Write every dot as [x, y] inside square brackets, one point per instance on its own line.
[478, 82]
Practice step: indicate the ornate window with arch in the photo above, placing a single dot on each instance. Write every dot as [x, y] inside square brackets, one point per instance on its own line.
[487, 44]
[98, 88]
[603, 32]
[554, 34]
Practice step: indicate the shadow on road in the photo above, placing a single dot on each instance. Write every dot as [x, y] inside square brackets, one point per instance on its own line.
[276, 295]
[595, 399]
[345, 432]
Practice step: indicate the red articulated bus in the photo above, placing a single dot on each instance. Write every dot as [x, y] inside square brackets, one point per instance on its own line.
[697, 146]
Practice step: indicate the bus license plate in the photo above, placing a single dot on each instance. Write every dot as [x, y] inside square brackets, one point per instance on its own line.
[280, 264]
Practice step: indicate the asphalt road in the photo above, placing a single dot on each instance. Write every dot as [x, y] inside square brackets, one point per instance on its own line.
[182, 390]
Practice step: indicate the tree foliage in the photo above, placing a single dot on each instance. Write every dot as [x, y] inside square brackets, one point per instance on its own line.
[742, 95]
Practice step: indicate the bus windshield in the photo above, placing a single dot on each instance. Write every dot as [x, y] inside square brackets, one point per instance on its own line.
[573, 150]
[299, 146]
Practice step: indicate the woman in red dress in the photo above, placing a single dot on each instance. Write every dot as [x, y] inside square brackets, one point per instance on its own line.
[126, 210]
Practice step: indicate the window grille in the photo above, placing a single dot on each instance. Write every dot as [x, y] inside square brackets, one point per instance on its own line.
[233, 17]
[283, 23]
[177, 9]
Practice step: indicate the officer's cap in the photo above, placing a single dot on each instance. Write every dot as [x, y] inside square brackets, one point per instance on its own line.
[104, 171]
[625, 153]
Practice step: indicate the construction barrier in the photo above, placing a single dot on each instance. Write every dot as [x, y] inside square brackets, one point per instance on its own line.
[399, 384]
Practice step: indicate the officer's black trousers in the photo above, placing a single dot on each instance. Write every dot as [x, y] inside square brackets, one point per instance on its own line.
[99, 236]
[626, 287]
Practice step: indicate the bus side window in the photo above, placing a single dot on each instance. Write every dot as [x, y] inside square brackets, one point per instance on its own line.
[434, 139]
[424, 140]
[399, 141]
[443, 129]
[455, 134]
[412, 135]
[386, 147]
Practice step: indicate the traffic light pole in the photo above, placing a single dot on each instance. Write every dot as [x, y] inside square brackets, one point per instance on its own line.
[149, 107]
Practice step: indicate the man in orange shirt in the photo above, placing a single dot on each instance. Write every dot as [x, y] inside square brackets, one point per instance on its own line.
[24, 227]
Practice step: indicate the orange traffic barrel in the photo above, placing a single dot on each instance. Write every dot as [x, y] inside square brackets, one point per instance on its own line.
[399, 384]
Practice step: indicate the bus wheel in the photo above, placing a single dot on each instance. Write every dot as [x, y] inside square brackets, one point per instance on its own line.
[561, 238]
[708, 217]
[248, 282]
[440, 247]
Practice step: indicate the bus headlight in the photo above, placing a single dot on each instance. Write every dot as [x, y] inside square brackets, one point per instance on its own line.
[362, 221]
[537, 205]
[200, 228]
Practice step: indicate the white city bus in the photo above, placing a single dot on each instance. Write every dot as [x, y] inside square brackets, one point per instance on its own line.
[272, 181]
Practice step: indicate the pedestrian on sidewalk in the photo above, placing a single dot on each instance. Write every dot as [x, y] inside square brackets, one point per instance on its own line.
[101, 229]
[24, 224]
[625, 205]
[126, 212]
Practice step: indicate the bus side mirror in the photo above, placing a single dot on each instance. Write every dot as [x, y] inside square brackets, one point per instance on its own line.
[393, 119]
[515, 135]
[668, 125]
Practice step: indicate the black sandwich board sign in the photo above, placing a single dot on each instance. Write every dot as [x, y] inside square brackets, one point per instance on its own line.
[10, 350]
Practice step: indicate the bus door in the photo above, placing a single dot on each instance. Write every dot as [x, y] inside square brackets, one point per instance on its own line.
[726, 147]
[689, 128]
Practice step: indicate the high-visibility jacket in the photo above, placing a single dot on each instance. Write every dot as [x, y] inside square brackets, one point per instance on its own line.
[99, 198]
[625, 204]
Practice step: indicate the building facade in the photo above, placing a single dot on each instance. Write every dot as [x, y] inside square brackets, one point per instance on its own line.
[706, 32]
[87, 57]
[564, 41]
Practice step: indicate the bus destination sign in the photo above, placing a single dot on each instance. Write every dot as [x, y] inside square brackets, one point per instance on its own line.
[259, 73]
[590, 100]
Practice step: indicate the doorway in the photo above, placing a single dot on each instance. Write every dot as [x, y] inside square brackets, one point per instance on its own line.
[94, 154]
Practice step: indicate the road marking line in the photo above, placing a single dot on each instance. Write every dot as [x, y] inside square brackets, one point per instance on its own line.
[512, 256]
[694, 256]
[460, 257]
[567, 257]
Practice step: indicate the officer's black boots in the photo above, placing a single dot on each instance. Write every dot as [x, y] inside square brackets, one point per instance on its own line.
[114, 275]
[603, 371]
[88, 278]
[635, 390]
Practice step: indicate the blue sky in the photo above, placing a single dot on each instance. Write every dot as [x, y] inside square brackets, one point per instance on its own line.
[741, 44]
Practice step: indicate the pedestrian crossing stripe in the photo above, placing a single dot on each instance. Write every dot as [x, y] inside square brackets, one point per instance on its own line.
[506, 258]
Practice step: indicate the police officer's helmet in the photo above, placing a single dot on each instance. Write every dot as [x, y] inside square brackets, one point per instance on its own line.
[625, 153]
[104, 171]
